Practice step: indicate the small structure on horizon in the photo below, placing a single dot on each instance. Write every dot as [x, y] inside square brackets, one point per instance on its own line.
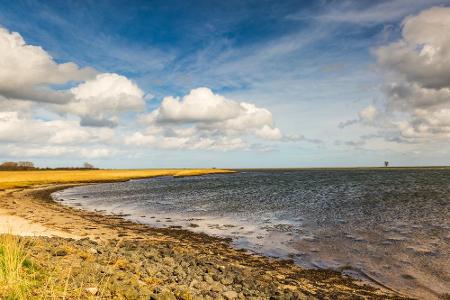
[386, 164]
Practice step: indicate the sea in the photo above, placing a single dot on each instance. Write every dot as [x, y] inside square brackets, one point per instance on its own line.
[389, 227]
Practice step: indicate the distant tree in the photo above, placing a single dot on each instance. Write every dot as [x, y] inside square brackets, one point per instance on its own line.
[21, 165]
[9, 164]
[386, 163]
[25, 164]
[87, 165]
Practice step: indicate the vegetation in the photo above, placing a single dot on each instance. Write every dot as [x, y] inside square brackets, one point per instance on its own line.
[19, 179]
[16, 271]
[21, 165]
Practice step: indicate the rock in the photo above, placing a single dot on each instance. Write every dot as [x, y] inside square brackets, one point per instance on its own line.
[151, 254]
[165, 295]
[208, 278]
[60, 252]
[193, 283]
[92, 251]
[92, 291]
[216, 287]
[226, 280]
[178, 271]
[230, 295]
[169, 261]
[202, 286]
[184, 264]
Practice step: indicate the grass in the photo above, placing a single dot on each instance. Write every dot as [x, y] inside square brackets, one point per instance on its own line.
[21, 279]
[16, 271]
[21, 179]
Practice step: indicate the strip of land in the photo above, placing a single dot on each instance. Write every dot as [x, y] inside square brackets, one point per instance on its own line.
[107, 257]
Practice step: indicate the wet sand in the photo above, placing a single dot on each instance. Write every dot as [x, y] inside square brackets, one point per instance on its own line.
[210, 267]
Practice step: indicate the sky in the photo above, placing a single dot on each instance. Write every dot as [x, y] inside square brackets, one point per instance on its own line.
[237, 84]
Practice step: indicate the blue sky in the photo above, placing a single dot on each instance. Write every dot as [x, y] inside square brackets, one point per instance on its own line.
[314, 65]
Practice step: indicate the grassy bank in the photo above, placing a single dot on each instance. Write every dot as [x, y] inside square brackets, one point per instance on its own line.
[20, 179]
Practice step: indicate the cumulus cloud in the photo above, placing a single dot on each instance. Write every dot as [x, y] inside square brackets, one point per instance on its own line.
[422, 56]
[213, 112]
[418, 70]
[417, 88]
[366, 116]
[15, 128]
[194, 142]
[27, 70]
[200, 105]
[8, 105]
[204, 120]
[99, 100]
[28, 74]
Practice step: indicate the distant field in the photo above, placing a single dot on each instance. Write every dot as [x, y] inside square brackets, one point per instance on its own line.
[17, 179]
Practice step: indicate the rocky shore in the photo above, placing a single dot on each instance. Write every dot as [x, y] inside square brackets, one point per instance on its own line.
[111, 258]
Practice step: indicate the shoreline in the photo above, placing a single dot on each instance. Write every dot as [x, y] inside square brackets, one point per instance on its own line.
[36, 205]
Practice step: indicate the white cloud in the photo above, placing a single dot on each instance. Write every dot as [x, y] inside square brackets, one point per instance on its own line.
[50, 151]
[26, 71]
[39, 151]
[99, 100]
[269, 133]
[14, 105]
[200, 105]
[193, 142]
[96, 152]
[204, 120]
[374, 13]
[215, 113]
[422, 56]
[418, 67]
[15, 128]
[368, 114]
[417, 88]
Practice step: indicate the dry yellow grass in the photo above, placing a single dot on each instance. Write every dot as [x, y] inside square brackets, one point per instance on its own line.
[15, 281]
[18, 179]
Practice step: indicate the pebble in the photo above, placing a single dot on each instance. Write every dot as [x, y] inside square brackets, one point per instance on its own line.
[226, 280]
[163, 296]
[208, 278]
[92, 291]
[60, 252]
[230, 295]
[216, 287]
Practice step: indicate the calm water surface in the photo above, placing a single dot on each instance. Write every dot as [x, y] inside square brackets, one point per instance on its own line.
[388, 226]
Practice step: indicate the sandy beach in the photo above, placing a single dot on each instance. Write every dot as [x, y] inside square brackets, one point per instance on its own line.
[107, 257]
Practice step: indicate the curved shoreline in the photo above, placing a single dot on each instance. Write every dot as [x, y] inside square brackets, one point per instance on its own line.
[37, 205]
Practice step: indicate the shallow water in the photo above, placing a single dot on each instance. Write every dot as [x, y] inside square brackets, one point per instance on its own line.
[388, 226]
